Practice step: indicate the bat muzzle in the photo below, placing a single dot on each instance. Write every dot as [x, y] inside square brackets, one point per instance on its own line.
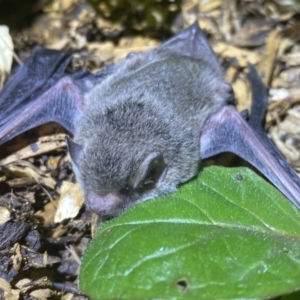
[103, 204]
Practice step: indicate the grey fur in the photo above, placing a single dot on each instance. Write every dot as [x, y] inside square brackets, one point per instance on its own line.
[154, 102]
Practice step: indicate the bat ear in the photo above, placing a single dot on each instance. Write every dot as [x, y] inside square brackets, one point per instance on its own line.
[75, 150]
[151, 170]
[192, 42]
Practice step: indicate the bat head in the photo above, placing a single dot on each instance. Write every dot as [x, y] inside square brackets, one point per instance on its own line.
[115, 179]
[133, 155]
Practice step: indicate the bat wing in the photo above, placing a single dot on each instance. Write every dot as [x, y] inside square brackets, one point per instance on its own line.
[192, 42]
[41, 91]
[227, 131]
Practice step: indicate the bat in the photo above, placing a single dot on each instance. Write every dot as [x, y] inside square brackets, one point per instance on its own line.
[142, 126]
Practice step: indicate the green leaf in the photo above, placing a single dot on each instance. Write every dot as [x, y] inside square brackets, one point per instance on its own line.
[226, 235]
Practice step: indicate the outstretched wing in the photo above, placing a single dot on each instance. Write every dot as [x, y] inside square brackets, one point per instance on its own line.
[41, 91]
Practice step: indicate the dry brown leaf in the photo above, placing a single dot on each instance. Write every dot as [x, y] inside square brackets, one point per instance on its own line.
[291, 122]
[243, 56]
[136, 44]
[6, 53]
[252, 34]
[295, 94]
[4, 215]
[231, 73]
[288, 78]
[109, 28]
[227, 26]
[74, 254]
[103, 51]
[209, 5]
[70, 201]
[208, 25]
[67, 296]
[45, 144]
[6, 50]
[14, 294]
[46, 215]
[4, 285]
[17, 257]
[291, 59]
[278, 94]
[187, 5]
[59, 231]
[242, 94]
[288, 5]
[280, 101]
[290, 153]
[65, 4]
[95, 221]
[267, 60]
[27, 171]
[42, 294]
[22, 284]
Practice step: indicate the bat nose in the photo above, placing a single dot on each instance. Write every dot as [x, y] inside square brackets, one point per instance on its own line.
[103, 204]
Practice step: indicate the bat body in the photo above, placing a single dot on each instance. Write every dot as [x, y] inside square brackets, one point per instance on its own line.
[142, 126]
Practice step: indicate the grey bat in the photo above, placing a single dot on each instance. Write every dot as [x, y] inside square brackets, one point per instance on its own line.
[142, 126]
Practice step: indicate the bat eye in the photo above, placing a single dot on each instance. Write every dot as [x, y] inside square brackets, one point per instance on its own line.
[126, 190]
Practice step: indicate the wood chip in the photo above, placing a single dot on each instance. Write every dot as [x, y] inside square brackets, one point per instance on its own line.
[266, 65]
[70, 201]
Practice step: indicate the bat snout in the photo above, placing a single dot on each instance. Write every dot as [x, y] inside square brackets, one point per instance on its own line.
[103, 204]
